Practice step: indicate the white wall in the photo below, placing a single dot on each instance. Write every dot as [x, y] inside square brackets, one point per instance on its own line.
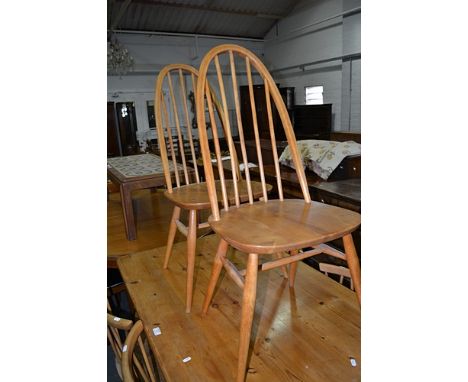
[287, 44]
[151, 53]
[351, 84]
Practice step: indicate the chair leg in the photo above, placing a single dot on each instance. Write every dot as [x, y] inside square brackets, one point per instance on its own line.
[171, 236]
[353, 264]
[191, 245]
[284, 268]
[292, 270]
[292, 274]
[248, 309]
[216, 270]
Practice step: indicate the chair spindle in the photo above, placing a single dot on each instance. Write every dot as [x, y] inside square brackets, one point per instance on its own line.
[239, 126]
[183, 93]
[255, 128]
[171, 144]
[273, 141]
[228, 134]
[179, 133]
[214, 130]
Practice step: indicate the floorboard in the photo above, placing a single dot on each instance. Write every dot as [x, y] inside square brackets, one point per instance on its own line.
[152, 216]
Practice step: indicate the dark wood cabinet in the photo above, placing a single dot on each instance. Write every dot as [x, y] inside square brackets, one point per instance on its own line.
[309, 121]
[312, 121]
[262, 114]
[113, 135]
[265, 148]
[121, 129]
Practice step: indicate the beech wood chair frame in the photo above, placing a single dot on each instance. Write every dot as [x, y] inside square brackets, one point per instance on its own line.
[189, 194]
[115, 326]
[263, 227]
[133, 367]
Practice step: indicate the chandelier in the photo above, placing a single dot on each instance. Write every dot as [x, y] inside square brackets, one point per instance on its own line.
[119, 60]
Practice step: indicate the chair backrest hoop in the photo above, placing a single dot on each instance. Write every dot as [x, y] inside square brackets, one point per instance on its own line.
[162, 123]
[270, 85]
[130, 362]
[161, 111]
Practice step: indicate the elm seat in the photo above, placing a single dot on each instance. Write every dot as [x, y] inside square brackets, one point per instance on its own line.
[278, 226]
[195, 196]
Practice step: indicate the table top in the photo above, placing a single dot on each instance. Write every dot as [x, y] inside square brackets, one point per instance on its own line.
[307, 333]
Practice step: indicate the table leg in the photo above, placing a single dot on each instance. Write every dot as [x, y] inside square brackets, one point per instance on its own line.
[127, 209]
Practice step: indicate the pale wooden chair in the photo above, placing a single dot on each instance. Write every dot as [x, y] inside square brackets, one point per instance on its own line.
[189, 194]
[117, 331]
[138, 363]
[267, 226]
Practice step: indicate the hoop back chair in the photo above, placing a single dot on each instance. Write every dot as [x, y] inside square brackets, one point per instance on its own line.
[137, 361]
[267, 226]
[190, 192]
[116, 326]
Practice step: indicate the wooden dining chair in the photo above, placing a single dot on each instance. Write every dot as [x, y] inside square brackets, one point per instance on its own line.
[117, 331]
[138, 363]
[174, 126]
[265, 227]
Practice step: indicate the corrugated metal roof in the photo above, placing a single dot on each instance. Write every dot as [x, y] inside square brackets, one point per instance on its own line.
[239, 18]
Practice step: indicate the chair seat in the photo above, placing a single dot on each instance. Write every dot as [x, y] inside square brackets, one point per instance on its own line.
[279, 226]
[195, 196]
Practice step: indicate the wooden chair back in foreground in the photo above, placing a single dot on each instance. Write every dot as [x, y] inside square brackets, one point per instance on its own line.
[117, 331]
[266, 227]
[173, 122]
[138, 363]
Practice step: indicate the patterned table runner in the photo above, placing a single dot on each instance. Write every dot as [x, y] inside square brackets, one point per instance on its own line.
[321, 157]
[139, 165]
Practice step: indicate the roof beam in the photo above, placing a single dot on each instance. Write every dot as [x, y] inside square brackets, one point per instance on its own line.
[212, 8]
[122, 10]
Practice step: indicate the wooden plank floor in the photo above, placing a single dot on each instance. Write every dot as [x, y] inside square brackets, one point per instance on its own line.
[152, 215]
[307, 333]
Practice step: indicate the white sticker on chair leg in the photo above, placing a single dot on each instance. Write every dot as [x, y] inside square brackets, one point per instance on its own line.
[353, 361]
[124, 349]
[157, 331]
[186, 359]
[116, 318]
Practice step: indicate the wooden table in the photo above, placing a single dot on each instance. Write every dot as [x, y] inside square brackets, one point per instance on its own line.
[131, 173]
[342, 193]
[308, 333]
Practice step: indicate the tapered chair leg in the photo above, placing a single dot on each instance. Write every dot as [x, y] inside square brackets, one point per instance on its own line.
[292, 274]
[284, 268]
[216, 270]
[191, 245]
[248, 309]
[171, 236]
[292, 270]
[353, 264]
